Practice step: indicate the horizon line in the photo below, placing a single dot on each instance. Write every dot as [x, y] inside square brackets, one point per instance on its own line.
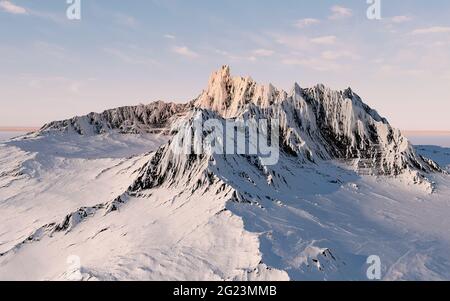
[404, 132]
[19, 128]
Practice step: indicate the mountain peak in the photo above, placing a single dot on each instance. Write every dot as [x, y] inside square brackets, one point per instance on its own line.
[348, 93]
[221, 75]
[226, 69]
[229, 96]
[297, 90]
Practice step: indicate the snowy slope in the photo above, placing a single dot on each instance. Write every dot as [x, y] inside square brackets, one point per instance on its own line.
[313, 219]
[83, 210]
[130, 207]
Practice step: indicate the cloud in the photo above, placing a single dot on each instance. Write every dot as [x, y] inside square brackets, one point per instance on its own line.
[235, 57]
[292, 41]
[129, 59]
[306, 22]
[312, 63]
[325, 40]
[340, 12]
[431, 30]
[126, 20]
[169, 36]
[12, 8]
[395, 70]
[263, 52]
[334, 55]
[50, 82]
[401, 19]
[185, 51]
[222, 52]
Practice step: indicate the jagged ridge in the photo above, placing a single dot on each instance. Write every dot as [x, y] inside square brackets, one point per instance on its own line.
[155, 117]
[318, 123]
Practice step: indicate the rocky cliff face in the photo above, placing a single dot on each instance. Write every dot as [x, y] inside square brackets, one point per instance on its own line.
[317, 123]
[230, 96]
[155, 117]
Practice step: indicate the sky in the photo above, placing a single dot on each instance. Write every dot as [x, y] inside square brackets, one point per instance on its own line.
[138, 51]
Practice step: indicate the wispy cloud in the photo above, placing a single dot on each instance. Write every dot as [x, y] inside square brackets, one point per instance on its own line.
[340, 12]
[338, 54]
[185, 51]
[292, 41]
[129, 59]
[12, 8]
[312, 63]
[126, 20]
[237, 58]
[325, 40]
[50, 82]
[306, 22]
[396, 70]
[263, 52]
[170, 36]
[401, 19]
[431, 30]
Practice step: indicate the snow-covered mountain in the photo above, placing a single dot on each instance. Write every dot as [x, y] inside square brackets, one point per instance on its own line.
[109, 196]
[152, 118]
[318, 123]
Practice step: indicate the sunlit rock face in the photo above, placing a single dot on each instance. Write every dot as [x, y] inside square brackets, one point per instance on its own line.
[318, 124]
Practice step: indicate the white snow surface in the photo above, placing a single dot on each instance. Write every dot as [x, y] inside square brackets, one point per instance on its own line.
[128, 207]
[311, 223]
